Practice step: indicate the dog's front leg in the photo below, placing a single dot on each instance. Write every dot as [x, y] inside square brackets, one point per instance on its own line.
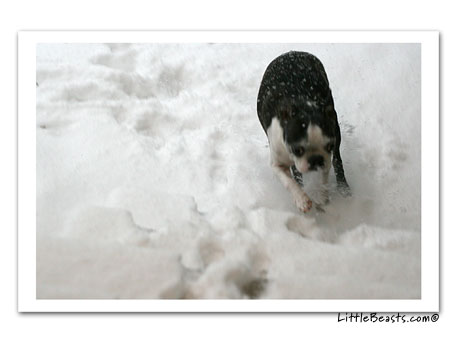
[301, 199]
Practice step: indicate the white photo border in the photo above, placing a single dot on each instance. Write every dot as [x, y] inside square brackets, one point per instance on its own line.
[429, 301]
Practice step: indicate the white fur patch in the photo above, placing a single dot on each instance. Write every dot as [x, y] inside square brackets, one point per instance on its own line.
[278, 151]
[315, 136]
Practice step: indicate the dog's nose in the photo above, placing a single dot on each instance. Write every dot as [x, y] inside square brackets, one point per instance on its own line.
[316, 161]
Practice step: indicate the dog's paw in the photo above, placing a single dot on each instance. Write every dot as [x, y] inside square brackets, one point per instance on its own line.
[326, 199]
[303, 202]
[322, 197]
[344, 189]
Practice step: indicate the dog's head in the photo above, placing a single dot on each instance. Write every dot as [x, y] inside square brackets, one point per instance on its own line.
[308, 133]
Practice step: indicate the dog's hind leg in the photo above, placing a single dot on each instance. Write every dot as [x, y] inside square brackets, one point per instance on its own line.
[342, 184]
[325, 188]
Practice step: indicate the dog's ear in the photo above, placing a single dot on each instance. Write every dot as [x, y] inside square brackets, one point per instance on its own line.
[284, 110]
[284, 114]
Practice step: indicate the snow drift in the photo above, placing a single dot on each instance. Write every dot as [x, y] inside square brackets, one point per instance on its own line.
[153, 176]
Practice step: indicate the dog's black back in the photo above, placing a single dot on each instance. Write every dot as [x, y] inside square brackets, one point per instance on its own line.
[293, 79]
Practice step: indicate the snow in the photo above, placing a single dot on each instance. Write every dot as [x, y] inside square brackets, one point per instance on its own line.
[153, 176]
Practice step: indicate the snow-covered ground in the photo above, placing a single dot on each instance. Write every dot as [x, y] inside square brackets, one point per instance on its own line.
[153, 176]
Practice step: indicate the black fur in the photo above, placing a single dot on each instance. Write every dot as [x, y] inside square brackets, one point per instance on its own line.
[295, 89]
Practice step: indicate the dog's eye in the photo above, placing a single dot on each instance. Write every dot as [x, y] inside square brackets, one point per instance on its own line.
[329, 147]
[298, 151]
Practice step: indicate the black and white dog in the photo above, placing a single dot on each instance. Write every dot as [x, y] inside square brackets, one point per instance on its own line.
[296, 110]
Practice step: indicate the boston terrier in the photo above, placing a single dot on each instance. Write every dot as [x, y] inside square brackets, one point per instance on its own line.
[296, 110]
